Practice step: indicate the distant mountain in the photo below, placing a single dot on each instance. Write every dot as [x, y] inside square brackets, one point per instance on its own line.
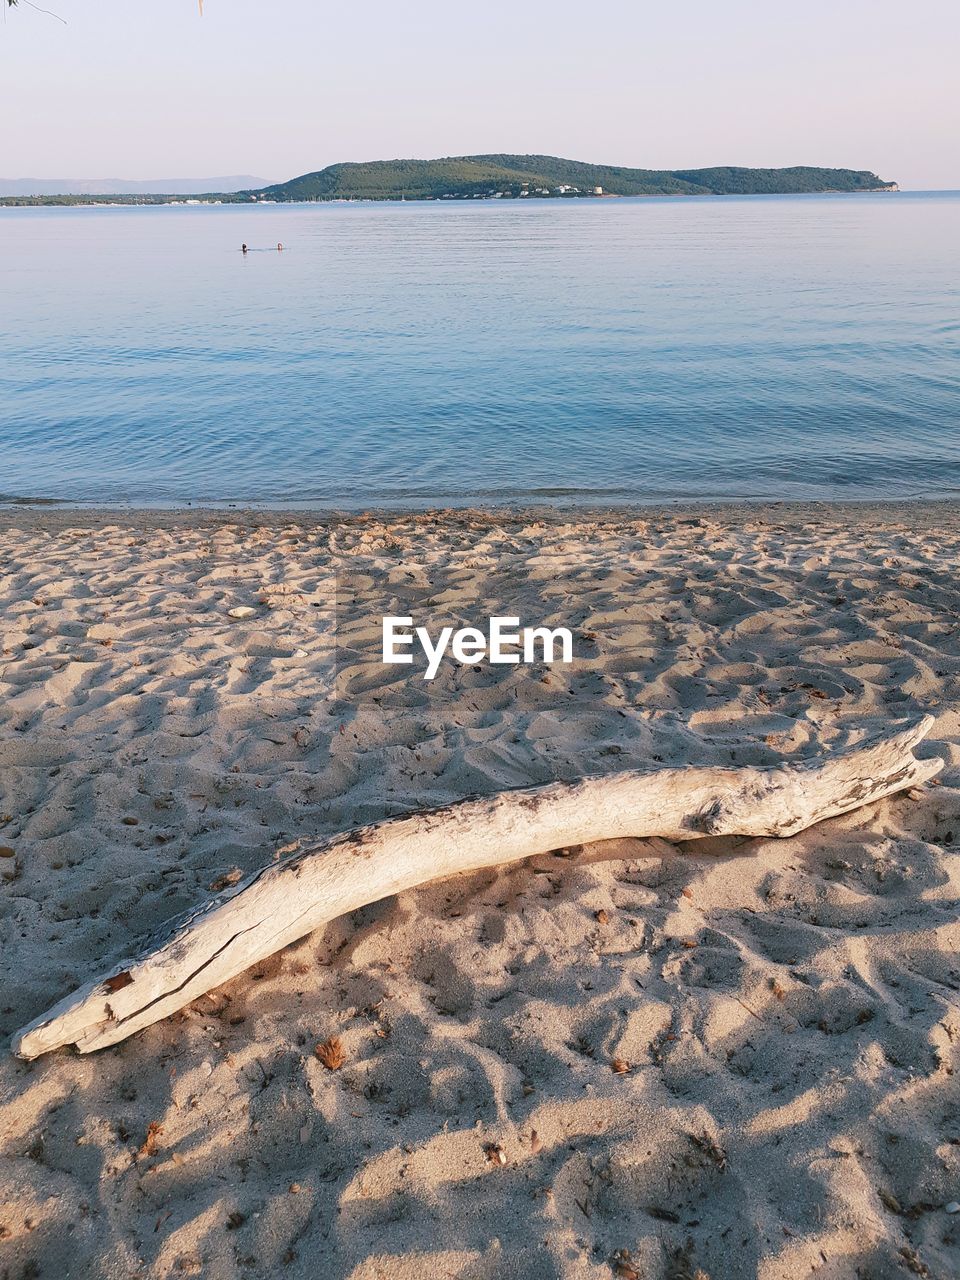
[458, 177]
[119, 186]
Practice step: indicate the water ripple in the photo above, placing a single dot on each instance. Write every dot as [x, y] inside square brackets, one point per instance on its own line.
[600, 351]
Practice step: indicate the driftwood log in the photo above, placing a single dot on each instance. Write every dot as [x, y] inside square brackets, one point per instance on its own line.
[289, 899]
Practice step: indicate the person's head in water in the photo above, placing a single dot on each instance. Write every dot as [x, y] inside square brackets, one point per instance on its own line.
[279, 248]
[243, 248]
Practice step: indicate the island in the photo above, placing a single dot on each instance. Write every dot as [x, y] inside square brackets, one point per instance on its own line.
[498, 177]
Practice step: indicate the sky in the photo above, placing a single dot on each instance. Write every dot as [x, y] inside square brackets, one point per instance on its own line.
[276, 88]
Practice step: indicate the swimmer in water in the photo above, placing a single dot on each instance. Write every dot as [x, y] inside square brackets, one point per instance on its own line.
[279, 248]
[243, 248]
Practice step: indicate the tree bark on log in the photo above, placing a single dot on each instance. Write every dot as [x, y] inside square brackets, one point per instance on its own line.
[289, 899]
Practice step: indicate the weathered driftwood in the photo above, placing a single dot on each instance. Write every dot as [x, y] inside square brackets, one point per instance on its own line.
[288, 899]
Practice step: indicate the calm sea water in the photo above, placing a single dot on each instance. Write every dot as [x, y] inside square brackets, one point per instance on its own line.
[603, 350]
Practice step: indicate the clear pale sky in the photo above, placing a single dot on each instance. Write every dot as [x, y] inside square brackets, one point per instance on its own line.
[148, 88]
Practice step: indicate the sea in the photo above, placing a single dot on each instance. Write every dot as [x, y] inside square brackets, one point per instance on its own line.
[484, 352]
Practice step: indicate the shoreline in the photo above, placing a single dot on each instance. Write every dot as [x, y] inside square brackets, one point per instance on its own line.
[33, 514]
[194, 202]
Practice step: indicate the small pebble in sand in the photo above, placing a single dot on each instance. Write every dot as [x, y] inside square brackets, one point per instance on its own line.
[953, 1206]
[495, 1153]
[6, 851]
[241, 611]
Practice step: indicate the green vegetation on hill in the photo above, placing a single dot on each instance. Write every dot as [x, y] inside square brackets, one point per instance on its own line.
[484, 175]
[466, 177]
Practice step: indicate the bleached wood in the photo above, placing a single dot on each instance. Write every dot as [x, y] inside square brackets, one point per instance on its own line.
[289, 899]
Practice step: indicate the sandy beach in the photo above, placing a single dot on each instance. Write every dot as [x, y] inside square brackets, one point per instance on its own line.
[731, 1061]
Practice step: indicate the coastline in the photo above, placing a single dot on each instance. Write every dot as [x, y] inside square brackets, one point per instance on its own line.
[787, 1012]
[193, 202]
[33, 513]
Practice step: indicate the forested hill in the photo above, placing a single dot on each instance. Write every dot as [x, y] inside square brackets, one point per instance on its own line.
[507, 175]
[466, 177]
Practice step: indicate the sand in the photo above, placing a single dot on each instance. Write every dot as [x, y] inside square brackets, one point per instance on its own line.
[726, 1061]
